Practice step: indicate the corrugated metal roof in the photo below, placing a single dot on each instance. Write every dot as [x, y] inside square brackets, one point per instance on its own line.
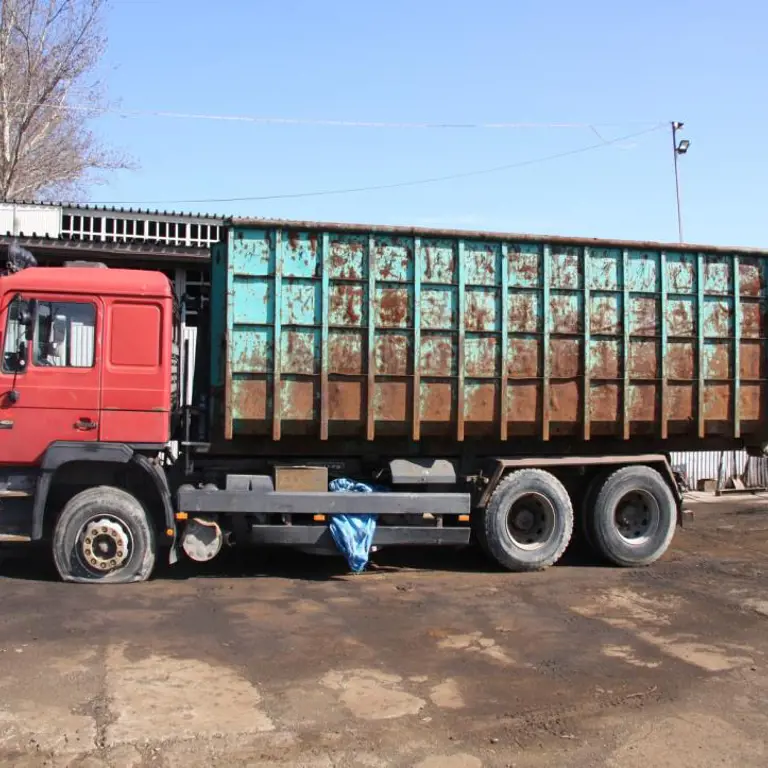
[116, 209]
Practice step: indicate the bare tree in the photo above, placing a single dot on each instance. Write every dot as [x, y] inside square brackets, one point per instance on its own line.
[47, 49]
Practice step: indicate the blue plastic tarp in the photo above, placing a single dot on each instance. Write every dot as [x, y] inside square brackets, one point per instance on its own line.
[353, 534]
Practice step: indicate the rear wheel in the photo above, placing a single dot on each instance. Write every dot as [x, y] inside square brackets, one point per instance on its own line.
[632, 520]
[528, 522]
[103, 535]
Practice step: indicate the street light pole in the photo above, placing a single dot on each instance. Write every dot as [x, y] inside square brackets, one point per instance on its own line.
[678, 149]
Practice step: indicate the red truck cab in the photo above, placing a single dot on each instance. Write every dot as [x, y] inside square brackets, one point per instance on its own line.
[87, 357]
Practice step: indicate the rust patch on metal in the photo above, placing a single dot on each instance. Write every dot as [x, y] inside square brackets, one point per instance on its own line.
[752, 399]
[753, 319]
[524, 267]
[523, 312]
[644, 316]
[718, 356]
[481, 259]
[480, 310]
[717, 318]
[751, 277]
[299, 352]
[643, 402]
[680, 275]
[523, 357]
[439, 261]
[438, 310]
[564, 400]
[481, 356]
[346, 259]
[393, 307]
[345, 352]
[345, 400]
[346, 305]
[680, 402]
[523, 402]
[680, 360]
[392, 354]
[393, 259]
[436, 401]
[437, 356]
[566, 357]
[249, 399]
[480, 403]
[717, 402]
[604, 359]
[604, 315]
[680, 318]
[752, 360]
[298, 398]
[565, 268]
[604, 403]
[564, 313]
[643, 359]
[717, 274]
[391, 401]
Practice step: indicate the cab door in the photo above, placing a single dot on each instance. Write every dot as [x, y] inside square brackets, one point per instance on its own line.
[50, 376]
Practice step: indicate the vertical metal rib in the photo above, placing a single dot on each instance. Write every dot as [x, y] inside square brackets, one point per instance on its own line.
[324, 333]
[503, 415]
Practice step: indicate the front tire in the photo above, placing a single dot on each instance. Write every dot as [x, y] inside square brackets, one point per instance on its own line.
[528, 522]
[103, 535]
[633, 518]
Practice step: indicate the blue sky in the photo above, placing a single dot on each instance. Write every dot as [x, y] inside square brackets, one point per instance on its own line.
[621, 66]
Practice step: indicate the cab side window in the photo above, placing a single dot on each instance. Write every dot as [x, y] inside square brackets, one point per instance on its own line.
[64, 334]
[14, 340]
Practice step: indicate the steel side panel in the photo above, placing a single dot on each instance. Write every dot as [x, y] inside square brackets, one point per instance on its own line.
[320, 536]
[352, 334]
[309, 503]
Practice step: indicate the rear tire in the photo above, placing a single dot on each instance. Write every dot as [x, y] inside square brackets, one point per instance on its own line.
[528, 522]
[585, 509]
[633, 518]
[103, 535]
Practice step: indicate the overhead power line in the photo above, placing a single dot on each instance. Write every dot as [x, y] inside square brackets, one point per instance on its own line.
[395, 185]
[322, 122]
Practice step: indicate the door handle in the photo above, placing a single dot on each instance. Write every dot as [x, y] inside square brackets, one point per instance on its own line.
[85, 425]
[6, 424]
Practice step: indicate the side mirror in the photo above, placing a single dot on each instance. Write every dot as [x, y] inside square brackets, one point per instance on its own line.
[25, 317]
[59, 331]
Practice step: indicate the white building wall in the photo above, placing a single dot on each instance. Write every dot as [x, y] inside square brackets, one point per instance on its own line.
[28, 220]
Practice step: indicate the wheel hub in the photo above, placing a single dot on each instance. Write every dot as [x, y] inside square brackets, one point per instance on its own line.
[524, 520]
[105, 544]
[636, 516]
[531, 521]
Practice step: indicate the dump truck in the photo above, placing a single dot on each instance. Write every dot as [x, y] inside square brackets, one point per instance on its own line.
[496, 389]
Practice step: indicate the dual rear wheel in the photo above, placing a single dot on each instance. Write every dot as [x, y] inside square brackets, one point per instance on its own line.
[628, 517]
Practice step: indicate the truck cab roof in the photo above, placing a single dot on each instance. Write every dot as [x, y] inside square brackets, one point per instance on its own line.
[86, 280]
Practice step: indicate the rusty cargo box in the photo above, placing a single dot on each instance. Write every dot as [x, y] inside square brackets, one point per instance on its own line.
[341, 331]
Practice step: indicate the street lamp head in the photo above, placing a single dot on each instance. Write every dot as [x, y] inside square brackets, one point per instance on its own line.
[677, 125]
[683, 146]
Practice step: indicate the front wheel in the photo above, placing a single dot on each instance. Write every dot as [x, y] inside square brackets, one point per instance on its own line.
[103, 535]
[633, 518]
[528, 522]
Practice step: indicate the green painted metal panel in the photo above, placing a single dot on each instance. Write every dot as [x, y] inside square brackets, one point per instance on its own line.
[335, 331]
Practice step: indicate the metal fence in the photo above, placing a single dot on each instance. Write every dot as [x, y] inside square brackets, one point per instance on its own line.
[709, 465]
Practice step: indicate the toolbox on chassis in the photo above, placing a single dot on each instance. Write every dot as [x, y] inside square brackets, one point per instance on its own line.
[495, 388]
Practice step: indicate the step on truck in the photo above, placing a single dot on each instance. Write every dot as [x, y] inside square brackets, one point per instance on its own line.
[493, 388]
